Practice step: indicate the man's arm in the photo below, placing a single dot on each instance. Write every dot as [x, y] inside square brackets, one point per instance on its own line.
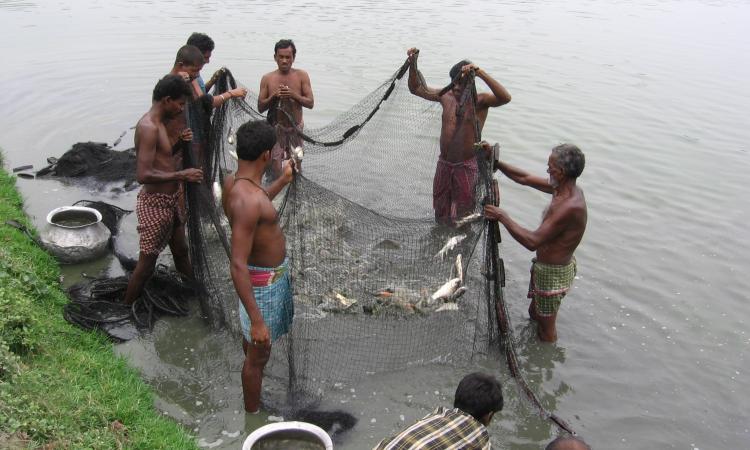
[416, 82]
[287, 174]
[306, 98]
[265, 96]
[551, 226]
[499, 95]
[245, 218]
[523, 177]
[146, 173]
[219, 100]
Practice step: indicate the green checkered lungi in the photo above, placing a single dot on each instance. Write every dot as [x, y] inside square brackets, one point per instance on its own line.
[548, 285]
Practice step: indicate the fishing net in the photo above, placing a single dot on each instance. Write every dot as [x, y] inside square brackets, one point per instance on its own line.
[365, 251]
[95, 160]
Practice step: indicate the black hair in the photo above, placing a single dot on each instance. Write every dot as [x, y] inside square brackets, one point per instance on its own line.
[172, 86]
[567, 443]
[254, 138]
[285, 43]
[202, 41]
[570, 159]
[456, 69]
[479, 394]
[189, 55]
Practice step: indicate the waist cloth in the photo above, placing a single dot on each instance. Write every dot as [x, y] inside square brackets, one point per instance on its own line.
[453, 189]
[549, 284]
[286, 139]
[272, 287]
[158, 216]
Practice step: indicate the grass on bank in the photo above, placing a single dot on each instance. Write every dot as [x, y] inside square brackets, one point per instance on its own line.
[62, 387]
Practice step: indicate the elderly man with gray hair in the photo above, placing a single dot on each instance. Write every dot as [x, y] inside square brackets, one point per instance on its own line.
[555, 240]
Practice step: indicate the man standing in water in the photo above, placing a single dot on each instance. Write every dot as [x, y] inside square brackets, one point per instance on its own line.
[161, 218]
[562, 228]
[283, 93]
[457, 172]
[259, 263]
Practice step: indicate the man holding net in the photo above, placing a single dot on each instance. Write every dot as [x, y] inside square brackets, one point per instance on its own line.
[161, 218]
[555, 240]
[462, 122]
[283, 93]
[259, 264]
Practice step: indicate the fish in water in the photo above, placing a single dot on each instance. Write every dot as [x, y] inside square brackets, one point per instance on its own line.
[233, 154]
[447, 307]
[447, 290]
[471, 218]
[450, 245]
[231, 137]
[298, 153]
[337, 303]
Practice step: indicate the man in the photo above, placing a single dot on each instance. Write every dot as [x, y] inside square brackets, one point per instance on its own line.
[478, 397]
[206, 45]
[283, 93]
[567, 443]
[456, 173]
[188, 64]
[258, 264]
[161, 220]
[562, 228]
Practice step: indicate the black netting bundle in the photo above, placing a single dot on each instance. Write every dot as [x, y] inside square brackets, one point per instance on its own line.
[366, 254]
[93, 159]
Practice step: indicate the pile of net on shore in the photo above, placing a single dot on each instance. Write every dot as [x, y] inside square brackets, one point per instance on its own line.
[95, 161]
[365, 252]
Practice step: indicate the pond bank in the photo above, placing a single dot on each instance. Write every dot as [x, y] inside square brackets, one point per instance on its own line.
[60, 385]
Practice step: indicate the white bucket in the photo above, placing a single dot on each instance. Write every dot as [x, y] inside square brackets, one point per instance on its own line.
[307, 430]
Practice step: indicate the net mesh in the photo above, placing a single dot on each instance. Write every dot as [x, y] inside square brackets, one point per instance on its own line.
[365, 251]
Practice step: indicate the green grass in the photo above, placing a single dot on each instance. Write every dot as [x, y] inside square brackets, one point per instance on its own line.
[60, 385]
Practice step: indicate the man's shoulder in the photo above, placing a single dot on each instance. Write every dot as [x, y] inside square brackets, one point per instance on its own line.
[147, 124]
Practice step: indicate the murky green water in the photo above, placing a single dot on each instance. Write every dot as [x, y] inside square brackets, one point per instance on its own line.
[654, 337]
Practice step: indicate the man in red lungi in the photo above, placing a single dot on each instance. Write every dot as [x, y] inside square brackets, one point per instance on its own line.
[456, 173]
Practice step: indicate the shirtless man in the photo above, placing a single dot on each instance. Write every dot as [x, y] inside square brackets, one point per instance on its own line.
[562, 228]
[258, 263]
[283, 93]
[188, 64]
[161, 219]
[456, 173]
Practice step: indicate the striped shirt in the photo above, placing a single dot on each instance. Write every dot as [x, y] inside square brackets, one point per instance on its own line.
[442, 430]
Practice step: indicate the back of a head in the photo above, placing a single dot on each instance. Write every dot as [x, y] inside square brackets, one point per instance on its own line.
[285, 43]
[567, 443]
[254, 138]
[479, 394]
[172, 86]
[189, 55]
[571, 159]
[456, 69]
[202, 41]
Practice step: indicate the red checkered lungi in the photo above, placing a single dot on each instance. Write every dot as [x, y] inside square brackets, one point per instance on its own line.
[158, 216]
[453, 189]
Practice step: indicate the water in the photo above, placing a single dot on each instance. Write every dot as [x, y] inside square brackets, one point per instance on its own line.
[654, 336]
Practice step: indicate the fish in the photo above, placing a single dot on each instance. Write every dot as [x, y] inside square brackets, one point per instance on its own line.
[456, 295]
[233, 154]
[298, 153]
[471, 218]
[447, 290]
[450, 245]
[447, 307]
[337, 303]
[217, 192]
[230, 137]
[459, 268]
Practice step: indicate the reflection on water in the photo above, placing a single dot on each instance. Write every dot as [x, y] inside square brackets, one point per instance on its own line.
[653, 335]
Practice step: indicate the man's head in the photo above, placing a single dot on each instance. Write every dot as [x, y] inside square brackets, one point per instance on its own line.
[255, 140]
[565, 161]
[479, 395]
[284, 53]
[567, 443]
[189, 59]
[458, 83]
[204, 43]
[172, 92]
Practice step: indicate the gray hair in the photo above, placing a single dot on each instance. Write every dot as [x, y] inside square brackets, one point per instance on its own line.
[570, 159]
